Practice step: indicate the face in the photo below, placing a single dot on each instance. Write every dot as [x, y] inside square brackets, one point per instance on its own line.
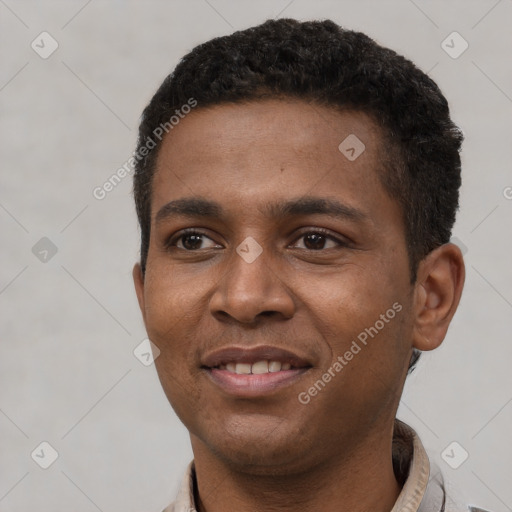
[277, 285]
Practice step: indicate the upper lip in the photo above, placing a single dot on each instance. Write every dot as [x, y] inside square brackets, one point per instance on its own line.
[250, 355]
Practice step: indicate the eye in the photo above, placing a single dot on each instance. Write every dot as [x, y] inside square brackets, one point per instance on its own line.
[191, 240]
[319, 239]
[312, 240]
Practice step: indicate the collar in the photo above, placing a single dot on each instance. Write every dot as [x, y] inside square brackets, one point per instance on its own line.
[421, 492]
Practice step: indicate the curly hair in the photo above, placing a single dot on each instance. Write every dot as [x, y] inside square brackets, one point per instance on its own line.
[322, 63]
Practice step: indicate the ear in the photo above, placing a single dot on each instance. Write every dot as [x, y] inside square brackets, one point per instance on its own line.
[437, 292]
[138, 281]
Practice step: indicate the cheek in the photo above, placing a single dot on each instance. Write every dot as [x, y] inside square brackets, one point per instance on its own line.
[170, 310]
[354, 295]
[361, 306]
[364, 326]
[170, 299]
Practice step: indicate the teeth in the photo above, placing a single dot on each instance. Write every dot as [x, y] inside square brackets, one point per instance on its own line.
[274, 366]
[258, 368]
[243, 368]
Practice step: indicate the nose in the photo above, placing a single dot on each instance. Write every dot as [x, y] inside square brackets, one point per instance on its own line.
[250, 290]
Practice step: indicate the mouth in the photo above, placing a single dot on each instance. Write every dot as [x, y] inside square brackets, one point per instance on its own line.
[257, 368]
[253, 372]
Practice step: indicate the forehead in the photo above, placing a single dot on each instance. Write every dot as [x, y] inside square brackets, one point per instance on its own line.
[242, 154]
[309, 127]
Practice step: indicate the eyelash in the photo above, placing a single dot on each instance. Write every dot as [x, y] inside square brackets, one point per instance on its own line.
[171, 243]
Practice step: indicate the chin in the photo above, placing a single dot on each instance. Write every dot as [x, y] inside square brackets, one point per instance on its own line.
[256, 446]
[253, 460]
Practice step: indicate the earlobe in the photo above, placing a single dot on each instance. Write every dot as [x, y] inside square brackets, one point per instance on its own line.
[138, 281]
[437, 294]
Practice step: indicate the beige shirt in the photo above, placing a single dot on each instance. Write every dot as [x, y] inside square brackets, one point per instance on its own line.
[423, 490]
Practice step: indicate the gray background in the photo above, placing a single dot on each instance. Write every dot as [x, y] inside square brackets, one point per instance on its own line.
[70, 321]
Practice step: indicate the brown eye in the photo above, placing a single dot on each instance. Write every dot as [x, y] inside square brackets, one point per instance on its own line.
[314, 241]
[318, 240]
[192, 241]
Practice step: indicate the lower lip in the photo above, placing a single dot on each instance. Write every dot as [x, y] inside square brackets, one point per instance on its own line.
[254, 385]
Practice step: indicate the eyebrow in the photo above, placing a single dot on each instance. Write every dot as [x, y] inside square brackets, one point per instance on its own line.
[203, 208]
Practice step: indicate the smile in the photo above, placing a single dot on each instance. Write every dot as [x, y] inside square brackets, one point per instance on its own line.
[258, 368]
[253, 372]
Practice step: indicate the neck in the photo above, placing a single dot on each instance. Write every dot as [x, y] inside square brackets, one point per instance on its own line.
[358, 481]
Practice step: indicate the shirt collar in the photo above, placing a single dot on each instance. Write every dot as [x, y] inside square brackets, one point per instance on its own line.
[420, 492]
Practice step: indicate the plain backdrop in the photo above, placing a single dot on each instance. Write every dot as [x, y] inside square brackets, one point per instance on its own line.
[69, 318]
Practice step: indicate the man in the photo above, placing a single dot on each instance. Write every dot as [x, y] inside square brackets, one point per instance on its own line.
[296, 186]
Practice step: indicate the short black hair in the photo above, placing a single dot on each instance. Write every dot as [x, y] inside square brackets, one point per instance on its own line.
[324, 64]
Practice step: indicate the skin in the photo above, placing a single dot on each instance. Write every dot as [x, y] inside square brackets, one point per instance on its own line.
[310, 295]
